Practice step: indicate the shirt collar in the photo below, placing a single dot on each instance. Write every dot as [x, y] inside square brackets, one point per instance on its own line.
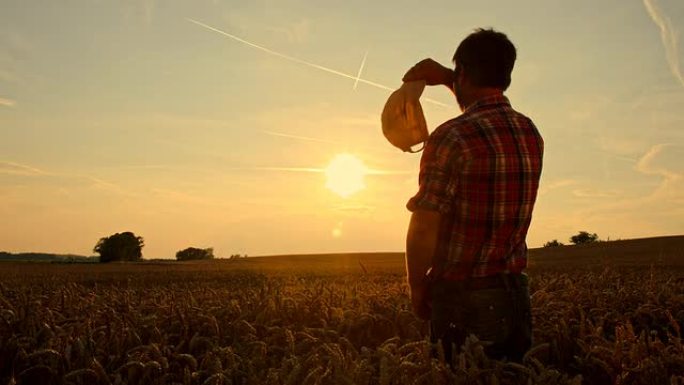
[488, 101]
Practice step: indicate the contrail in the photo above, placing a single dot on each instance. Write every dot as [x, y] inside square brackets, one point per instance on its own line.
[298, 137]
[291, 169]
[304, 62]
[368, 171]
[669, 37]
[358, 75]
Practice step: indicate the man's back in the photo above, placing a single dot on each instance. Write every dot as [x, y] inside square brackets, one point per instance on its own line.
[488, 162]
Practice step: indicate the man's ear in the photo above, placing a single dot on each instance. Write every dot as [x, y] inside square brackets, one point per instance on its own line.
[460, 77]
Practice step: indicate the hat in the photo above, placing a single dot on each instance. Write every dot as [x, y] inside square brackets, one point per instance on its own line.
[403, 122]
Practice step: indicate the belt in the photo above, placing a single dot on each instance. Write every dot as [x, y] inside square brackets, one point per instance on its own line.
[497, 281]
[488, 282]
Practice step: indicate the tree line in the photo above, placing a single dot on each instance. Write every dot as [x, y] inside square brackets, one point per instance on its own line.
[580, 238]
[127, 247]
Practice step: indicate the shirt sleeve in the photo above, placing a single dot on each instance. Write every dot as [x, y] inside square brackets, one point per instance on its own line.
[435, 192]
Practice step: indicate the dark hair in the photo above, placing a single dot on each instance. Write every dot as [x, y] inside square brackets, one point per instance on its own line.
[487, 57]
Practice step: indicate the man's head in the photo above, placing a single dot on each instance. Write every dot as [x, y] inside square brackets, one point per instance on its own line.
[483, 63]
[487, 58]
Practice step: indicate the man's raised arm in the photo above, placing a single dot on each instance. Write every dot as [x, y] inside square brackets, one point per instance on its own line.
[432, 72]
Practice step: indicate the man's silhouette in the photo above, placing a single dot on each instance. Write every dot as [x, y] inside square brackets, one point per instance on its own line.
[479, 174]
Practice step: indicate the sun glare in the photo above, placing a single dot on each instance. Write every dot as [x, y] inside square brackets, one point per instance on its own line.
[345, 175]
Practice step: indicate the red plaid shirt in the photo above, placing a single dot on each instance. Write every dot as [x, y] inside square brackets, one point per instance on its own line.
[481, 171]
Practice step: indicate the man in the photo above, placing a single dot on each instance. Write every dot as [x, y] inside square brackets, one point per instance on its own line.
[479, 174]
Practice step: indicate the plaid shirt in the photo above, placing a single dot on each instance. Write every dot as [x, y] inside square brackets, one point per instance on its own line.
[481, 171]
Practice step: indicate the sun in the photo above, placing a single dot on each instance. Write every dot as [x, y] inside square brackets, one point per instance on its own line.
[345, 175]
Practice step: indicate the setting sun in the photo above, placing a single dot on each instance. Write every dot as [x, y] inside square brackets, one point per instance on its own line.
[345, 175]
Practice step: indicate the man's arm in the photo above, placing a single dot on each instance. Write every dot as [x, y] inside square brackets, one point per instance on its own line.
[421, 243]
[432, 72]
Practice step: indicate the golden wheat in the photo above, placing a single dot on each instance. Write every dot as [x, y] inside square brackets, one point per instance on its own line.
[219, 326]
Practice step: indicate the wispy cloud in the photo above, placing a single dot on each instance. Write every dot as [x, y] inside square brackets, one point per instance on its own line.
[11, 168]
[4, 102]
[648, 164]
[654, 162]
[594, 193]
[545, 188]
[668, 34]
[316, 170]
[288, 169]
[290, 136]
[660, 160]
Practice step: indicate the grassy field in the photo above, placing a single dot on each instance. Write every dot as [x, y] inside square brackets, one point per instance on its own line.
[605, 313]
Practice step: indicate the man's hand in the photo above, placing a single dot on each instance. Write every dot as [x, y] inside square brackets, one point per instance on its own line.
[420, 301]
[432, 72]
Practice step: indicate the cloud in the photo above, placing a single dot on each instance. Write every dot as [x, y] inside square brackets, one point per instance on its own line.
[594, 193]
[649, 163]
[654, 209]
[617, 210]
[545, 188]
[299, 137]
[12, 168]
[4, 102]
[664, 160]
[668, 34]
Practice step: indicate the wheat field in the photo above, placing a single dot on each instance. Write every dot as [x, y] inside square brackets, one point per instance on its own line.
[345, 320]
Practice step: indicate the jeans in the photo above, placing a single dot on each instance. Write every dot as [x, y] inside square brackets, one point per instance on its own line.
[500, 317]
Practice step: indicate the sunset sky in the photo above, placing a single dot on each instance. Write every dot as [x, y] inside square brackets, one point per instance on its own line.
[127, 116]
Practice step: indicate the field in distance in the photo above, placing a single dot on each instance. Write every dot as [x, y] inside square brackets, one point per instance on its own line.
[666, 252]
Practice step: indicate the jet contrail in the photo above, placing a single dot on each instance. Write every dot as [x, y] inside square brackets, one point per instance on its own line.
[368, 171]
[358, 75]
[298, 137]
[668, 35]
[304, 62]
[291, 169]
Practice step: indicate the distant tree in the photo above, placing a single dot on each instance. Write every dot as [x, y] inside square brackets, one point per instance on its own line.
[194, 254]
[583, 237]
[124, 246]
[553, 243]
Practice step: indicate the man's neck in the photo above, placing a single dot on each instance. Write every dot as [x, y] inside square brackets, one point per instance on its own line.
[480, 93]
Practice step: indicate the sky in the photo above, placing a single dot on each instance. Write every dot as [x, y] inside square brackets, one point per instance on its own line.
[133, 115]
